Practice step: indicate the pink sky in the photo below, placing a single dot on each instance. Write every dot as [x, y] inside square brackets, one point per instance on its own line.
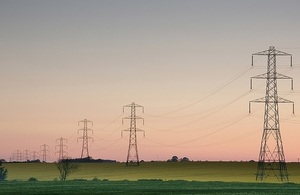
[187, 63]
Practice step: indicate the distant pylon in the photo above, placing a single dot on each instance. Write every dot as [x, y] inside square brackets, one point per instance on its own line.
[62, 153]
[34, 155]
[18, 156]
[45, 152]
[85, 138]
[26, 155]
[132, 155]
[271, 156]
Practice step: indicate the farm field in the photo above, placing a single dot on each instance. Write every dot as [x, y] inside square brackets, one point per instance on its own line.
[148, 178]
[145, 187]
[189, 171]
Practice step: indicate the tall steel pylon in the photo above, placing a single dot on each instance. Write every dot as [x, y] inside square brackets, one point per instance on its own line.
[85, 138]
[26, 155]
[18, 156]
[271, 156]
[45, 152]
[62, 153]
[132, 155]
[34, 155]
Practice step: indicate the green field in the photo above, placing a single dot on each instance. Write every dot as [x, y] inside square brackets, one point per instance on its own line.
[189, 171]
[148, 178]
[145, 187]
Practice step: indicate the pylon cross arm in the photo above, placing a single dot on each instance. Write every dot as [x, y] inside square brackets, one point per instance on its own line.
[283, 100]
[263, 100]
[273, 51]
[276, 52]
[123, 131]
[137, 129]
[277, 76]
[133, 105]
[141, 131]
[280, 100]
[131, 118]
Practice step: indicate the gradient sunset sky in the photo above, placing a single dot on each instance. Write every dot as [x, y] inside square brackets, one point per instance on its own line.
[187, 62]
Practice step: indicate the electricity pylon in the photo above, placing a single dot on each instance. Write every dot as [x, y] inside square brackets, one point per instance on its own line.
[271, 156]
[34, 155]
[26, 155]
[62, 153]
[18, 156]
[132, 155]
[85, 138]
[45, 152]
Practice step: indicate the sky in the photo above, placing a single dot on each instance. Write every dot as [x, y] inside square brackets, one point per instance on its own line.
[187, 62]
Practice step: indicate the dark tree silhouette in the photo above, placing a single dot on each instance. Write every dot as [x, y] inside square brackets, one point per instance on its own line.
[174, 159]
[185, 159]
[66, 167]
[3, 172]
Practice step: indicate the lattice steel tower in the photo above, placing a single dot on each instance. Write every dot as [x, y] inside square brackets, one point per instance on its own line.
[62, 153]
[26, 155]
[45, 152]
[271, 156]
[132, 155]
[85, 138]
[35, 155]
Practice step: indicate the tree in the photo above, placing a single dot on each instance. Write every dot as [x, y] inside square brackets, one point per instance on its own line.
[66, 167]
[185, 159]
[174, 159]
[3, 172]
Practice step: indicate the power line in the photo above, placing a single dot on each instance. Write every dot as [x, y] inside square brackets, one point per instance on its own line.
[209, 113]
[206, 135]
[230, 140]
[113, 132]
[111, 144]
[209, 144]
[105, 127]
[216, 90]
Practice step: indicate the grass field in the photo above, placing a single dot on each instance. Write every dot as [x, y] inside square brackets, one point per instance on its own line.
[189, 171]
[145, 187]
[148, 178]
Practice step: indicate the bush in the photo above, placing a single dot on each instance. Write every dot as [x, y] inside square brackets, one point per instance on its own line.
[150, 180]
[95, 179]
[32, 179]
[66, 167]
[79, 179]
[3, 172]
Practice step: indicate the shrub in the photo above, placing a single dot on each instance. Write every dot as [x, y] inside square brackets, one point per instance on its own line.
[150, 180]
[66, 167]
[32, 179]
[80, 179]
[3, 172]
[95, 179]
